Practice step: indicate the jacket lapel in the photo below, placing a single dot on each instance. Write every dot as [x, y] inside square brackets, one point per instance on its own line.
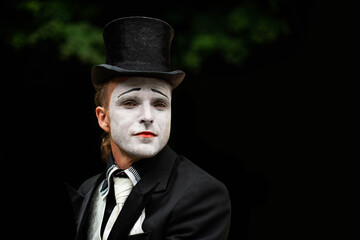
[84, 210]
[154, 180]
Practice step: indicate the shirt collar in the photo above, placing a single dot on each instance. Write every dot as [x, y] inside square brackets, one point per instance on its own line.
[134, 172]
[112, 167]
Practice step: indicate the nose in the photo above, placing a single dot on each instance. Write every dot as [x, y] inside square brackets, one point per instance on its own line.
[146, 116]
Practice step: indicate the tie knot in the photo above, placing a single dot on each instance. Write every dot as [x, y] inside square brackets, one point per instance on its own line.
[120, 173]
[122, 189]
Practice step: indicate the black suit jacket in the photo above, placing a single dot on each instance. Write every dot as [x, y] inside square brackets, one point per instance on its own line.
[181, 201]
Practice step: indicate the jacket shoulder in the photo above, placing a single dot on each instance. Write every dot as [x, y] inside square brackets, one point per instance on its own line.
[191, 173]
[86, 186]
[202, 201]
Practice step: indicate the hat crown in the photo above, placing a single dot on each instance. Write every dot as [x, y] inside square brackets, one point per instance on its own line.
[138, 43]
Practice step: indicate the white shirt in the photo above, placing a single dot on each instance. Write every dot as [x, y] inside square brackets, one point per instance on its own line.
[99, 203]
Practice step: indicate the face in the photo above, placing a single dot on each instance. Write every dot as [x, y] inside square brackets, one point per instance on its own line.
[140, 116]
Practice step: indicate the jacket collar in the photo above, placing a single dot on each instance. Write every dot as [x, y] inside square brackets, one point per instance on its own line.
[155, 179]
[85, 207]
[159, 172]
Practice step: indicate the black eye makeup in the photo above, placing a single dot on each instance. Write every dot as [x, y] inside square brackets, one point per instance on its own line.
[129, 91]
[157, 91]
[158, 101]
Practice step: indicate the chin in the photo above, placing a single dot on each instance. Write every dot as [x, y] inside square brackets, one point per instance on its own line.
[144, 151]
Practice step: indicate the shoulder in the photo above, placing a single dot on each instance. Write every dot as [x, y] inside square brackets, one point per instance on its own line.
[191, 174]
[201, 201]
[87, 185]
[191, 180]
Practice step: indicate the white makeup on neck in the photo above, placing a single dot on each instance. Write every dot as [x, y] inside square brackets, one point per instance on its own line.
[140, 116]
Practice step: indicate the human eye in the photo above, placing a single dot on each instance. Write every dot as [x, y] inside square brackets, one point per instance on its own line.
[160, 105]
[129, 103]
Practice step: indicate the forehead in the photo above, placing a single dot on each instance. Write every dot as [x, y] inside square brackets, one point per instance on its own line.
[125, 83]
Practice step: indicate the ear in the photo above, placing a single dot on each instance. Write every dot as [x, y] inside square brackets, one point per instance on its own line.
[103, 118]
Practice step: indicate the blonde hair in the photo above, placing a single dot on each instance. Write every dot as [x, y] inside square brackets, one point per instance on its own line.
[101, 99]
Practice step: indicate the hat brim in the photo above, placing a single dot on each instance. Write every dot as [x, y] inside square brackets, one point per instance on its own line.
[104, 72]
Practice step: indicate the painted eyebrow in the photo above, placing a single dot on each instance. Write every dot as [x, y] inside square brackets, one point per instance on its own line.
[157, 91]
[131, 90]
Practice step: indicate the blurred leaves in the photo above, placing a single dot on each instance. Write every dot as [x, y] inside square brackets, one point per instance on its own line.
[85, 42]
[80, 40]
[230, 36]
[53, 23]
[229, 33]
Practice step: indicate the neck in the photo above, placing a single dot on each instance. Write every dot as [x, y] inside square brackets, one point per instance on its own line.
[123, 160]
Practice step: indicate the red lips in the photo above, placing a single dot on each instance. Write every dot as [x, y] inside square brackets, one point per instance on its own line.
[146, 134]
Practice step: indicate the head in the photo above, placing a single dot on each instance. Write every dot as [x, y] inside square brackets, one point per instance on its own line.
[135, 114]
[134, 87]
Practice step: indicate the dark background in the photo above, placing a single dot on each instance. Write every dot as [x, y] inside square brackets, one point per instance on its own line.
[254, 119]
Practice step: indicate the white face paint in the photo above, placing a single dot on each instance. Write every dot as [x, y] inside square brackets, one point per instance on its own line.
[140, 116]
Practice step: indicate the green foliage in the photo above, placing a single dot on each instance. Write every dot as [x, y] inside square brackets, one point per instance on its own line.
[230, 36]
[85, 42]
[230, 33]
[52, 23]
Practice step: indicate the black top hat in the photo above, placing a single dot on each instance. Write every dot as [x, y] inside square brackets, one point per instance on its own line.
[137, 46]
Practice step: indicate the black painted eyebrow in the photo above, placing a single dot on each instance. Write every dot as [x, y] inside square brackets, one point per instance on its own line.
[131, 90]
[157, 91]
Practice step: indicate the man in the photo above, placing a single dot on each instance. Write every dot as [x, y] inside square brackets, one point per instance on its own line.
[148, 191]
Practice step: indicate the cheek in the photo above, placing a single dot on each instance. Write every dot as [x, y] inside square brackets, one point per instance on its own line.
[165, 122]
[119, 121]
